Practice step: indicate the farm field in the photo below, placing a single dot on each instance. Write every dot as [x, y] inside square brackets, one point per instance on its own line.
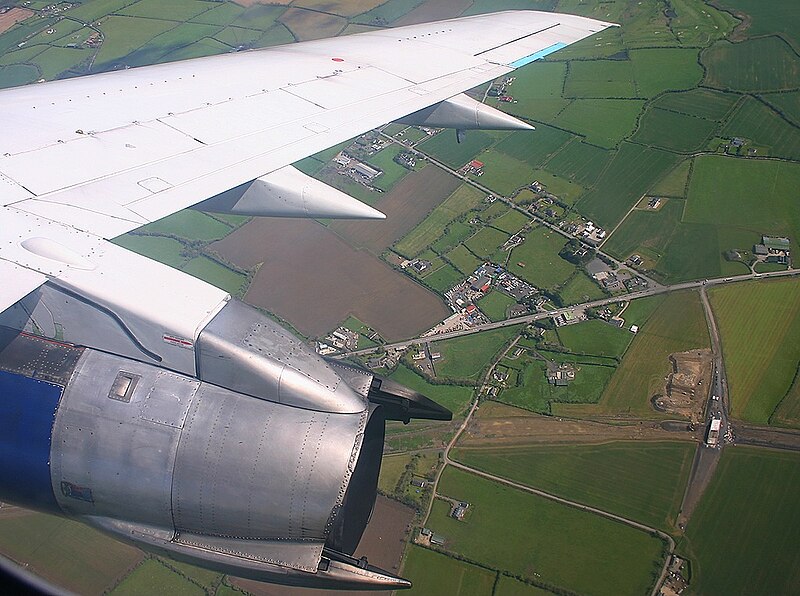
[700, 102]
[758, 552]
[763, 64]
[677, 325]
[153, 576]
[444, 278]
[788, 411]
[758, 123]
[466, 357]
[190, 225]
[663, 69]
[216, 274]
[486, 242]
[675, 182]
[645, 229]
[508, 586]
[503, 174]
[444, 147]
[533, 148]
[595, 337]
[435, 574]
[761, 345]
[511, 222]
[580, 163]
[673, 131]
[643, 481]
[600, 79]
[162, 249]
[536, 260]
[523, 534]
[579, 289]
[463, 259]
[537, 90]
[786, 103]
[456, 398]
[603, 122]
[495, 304]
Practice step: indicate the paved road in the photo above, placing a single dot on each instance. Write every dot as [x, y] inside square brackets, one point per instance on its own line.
[593, 304]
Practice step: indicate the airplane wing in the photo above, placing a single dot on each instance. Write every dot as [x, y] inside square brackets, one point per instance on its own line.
[90, 158]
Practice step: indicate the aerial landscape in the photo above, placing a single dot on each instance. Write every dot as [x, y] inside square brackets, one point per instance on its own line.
[609, 305]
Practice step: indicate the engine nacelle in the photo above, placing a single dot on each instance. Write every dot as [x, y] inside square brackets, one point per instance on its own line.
[186, 468]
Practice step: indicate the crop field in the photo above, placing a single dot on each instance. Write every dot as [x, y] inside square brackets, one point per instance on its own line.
[775, 17]
[756, 122]
[462, 200]
[675, 183]
[719, 194]
[463, 259]
[600, 79]
[444, 278]
[65, 552]
[495, 304]
[216, 274]
[580, 289]
[647, 229]
[345, 8]
[533, 392]
[306, 24]
[537, 91]
[786, 103]
[639, 311]
[643, 480]
[568, 192]
[466, 357]
[525, 534]
[658, 70]
[603, 122]
[673, 131]
[761, 345]
[455, 233]
[677, 325]
[632, 172]
[580, 163]
[536, 260]
[444, 147]
[758, 553]
[533, 147]
[511, 222]
[788, 411]
[152, 577]
[435, 574]
[508, 586]
[502, 173]
[189, 224]
[486, 242]
[388, 12]
[703, 103]
[164, 250]
[764, 64]
[595, 337]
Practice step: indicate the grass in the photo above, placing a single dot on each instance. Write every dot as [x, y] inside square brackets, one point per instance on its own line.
[14, 75]
[486, 242]
[174, 10]
[673, 131]
[645, 229]
[787, 103]
[761, 344]
[771, 18]
[567, 191]
[216, 274]
[444, 278]
[533, 392]
[603, 122]
[580, 163]
[760, 124]
[443, 146]
[163, 250]
[757, 65]
[503, 174]
[700, 102]
[788, 411]
[495, 304]
[639, 311]
[674, 184]
[533, 147]
[643, 481]
[392, 172]
[743, 537]
[511, 222]
[67, 553]
[189, 224]
[455, 398]
[632, 172]
[463, 259]
[536, 260]
[531, 536]
[507, 586]
[595, 337]
[580, 289]
[152, 577]
[431, 228]
[537, 91]
[435, 574]
[466, 357]
[664, 69]
[677, 325]
[389, 11]
[600, 79]
[123, 35]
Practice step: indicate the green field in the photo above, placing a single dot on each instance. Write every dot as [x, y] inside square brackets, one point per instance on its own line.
[788, 411]
[764, 64]
[673, 131]
[580, 289]
[580, 162]
[761, 344]
[487, 241]
[495, 304]
[603, 122]
[600, 79]
[502, 173]
[524, 534]
[508, 586]
[533, 148]
[632, 172]
[189, 224]
[537, 91]
[467, 357]
[643, 481]
[392, 172]
[435, 574]
[677, 325]
[455, 398]
[700, 102]
[455, 233]
[511, 222]
[764, 127]
[742, 538]
[67, 553]
[463, 259]
[595, 337]
[649, 230]
[153, 577]
[787, 104]
[426, 233]
[444, 278]
[536, 260]
[216, 274]
[675, 183]
[444, 147]
[662, 69]
[164, 250]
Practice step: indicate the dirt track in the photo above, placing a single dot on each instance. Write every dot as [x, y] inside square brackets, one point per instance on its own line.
[315, 280]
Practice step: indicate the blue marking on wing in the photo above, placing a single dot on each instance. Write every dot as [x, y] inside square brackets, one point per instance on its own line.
[540, 54]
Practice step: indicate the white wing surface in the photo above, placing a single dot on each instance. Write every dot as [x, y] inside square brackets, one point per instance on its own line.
[97, 156]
